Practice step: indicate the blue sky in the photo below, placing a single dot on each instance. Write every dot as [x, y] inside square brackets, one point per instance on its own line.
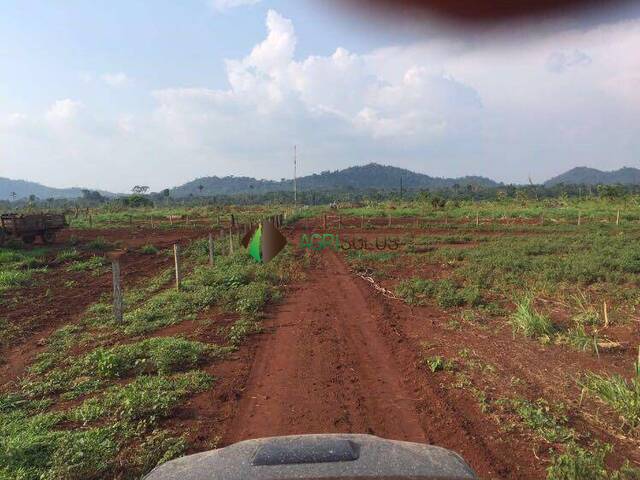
[111, 94]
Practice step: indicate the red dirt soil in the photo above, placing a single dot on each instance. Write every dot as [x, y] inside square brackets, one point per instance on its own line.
[331, 362]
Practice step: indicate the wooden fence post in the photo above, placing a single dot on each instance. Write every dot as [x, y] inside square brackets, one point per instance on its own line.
[117, 291]
[362, 222]
[211, 249]
[477, 219]
[579, 218]
[389, 221]
[618, 218]
[324, 221]
[230, 242]
[339, 222]
[176, 257]
[233, 220]
[542, 219]
[90, 221]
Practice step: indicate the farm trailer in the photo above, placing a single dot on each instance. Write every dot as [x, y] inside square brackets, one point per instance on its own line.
[30, 226]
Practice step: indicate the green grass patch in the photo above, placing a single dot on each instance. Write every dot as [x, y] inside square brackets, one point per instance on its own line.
[147, 396]
[148, 250]
[94, 264]
[446, 293]
[578, 463]
[529, 322]
[622, 395]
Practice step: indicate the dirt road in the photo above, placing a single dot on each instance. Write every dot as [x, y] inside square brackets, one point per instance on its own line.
[334, 359]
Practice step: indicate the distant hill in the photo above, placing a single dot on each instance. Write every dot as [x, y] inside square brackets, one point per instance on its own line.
[593, 176]
[24, 188]
[368, 177]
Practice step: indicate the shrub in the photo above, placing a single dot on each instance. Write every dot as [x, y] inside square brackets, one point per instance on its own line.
[438, 363]
[148, 250]
[528, 321]
[100, 244]
[64, 255]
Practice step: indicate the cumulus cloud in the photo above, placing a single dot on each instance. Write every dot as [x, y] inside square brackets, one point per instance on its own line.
[222, 5]
[343, 92]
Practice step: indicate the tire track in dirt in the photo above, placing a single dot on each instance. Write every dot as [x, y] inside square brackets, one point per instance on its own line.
[331, 361]
[322, 367]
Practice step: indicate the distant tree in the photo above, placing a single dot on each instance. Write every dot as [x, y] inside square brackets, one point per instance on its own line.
[438, 202]
[93, 196]
[424, 196]
[611, 191]
[200, 188]
[137, 200]
[140, 189]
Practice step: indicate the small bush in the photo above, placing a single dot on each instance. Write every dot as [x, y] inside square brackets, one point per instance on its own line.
[65, 255]
[438, 363]
[100, 244]
[149, 250]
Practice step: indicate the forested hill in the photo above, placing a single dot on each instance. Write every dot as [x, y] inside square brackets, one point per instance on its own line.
[368, 177]
[23, 189]
[593, 176]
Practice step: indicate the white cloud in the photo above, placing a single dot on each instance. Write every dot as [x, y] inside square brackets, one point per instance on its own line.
[116, 80]
[222, 5]
[63, 110]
